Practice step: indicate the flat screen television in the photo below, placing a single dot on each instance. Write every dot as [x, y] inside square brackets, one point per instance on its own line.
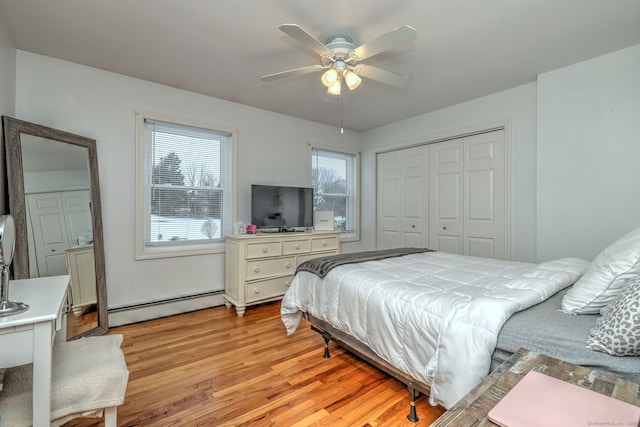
[281, 208]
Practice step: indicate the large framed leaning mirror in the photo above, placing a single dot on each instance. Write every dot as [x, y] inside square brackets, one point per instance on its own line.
[54, 197]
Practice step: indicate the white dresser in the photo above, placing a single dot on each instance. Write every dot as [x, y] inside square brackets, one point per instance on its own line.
[260, 267]
[82, 268]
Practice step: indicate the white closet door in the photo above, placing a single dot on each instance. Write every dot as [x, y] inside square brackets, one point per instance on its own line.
[402, 198]
[484, 195]
[57, 220]
[452, 192]
[49, 232]
[77, 213]
[445, 204]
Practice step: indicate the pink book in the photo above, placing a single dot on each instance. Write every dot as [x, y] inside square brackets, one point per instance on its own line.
[540, 400]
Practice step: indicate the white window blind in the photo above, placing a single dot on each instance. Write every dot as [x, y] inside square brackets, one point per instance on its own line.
[334, 187]
[187, 182]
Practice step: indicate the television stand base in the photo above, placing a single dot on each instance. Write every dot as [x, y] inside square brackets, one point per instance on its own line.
[281, 230]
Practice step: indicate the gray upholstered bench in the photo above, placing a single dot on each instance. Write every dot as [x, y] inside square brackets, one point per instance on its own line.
[90, 376]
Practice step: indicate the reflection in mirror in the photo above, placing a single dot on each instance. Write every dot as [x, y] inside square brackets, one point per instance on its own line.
[54, 196]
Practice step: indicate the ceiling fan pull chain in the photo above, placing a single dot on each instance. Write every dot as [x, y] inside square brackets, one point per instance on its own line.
[341, 113]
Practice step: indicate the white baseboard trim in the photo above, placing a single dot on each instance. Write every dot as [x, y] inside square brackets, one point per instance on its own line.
[153, 310]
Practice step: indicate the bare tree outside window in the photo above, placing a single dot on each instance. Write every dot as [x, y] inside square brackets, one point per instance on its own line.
[186, 194]
[333, 184]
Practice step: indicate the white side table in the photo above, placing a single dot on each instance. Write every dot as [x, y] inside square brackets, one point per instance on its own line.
[28, 337]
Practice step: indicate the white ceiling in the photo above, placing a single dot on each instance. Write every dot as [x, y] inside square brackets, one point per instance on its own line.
[465, 48]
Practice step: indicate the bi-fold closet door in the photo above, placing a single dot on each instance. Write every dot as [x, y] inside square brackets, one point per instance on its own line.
[462, 196]
[55, 221]
[402, 208]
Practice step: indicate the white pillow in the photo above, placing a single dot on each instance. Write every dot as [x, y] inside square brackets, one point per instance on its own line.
[605, 277]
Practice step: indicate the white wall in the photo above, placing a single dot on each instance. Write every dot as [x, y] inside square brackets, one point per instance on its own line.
[7, 91]
[272, 148]
[581, 122]
[515, 107]
[7, 73]
[589, 155]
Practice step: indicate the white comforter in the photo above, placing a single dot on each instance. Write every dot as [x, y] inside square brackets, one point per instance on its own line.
[435, 316]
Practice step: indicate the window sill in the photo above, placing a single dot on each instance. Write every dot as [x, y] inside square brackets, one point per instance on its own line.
[154, 252]
[349, 237]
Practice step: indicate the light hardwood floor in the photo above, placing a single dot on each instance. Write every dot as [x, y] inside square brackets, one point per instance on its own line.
[211, 368]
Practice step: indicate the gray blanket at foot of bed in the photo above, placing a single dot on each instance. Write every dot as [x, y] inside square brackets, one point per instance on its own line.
[321, 266]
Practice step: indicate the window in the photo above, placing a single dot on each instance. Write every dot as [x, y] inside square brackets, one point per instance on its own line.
[335, 185]
[185, 192]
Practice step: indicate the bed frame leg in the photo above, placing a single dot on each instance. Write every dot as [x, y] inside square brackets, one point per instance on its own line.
[413, 416]
[326, 348]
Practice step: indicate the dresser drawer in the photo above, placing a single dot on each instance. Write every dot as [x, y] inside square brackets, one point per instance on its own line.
[263, 249]
[263, 268]
[324, 244]
[296, 247]
[265, 289]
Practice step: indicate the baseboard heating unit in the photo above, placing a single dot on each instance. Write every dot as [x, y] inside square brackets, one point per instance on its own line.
[162, 308]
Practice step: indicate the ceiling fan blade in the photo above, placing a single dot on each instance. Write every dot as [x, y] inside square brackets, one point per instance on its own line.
[305, 38]
[290, 73]
[384, 76]
[386, 41]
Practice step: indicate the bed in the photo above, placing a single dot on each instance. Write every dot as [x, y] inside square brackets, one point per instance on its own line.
[545, 329]
[438, 322]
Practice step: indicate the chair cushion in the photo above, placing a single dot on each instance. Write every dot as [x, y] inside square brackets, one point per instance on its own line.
[88, 374]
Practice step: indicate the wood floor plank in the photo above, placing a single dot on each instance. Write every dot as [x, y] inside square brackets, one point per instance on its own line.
[212, 368]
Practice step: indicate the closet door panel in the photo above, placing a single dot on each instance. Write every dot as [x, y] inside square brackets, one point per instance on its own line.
[482, 247]
[413, 226]
[484, 195]
[445, 203]
[49, 233]
[389, 207]
[389, 240]
[480, 203]
[402, 198]
[77, 213]
[448, 244]
[415, 196]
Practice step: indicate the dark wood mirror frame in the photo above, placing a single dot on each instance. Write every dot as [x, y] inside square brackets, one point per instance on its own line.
[12, 129]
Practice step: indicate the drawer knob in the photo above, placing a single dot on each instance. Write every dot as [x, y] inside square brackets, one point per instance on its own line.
[287, 265]
[257, 269]
[256, 291]
[297, 246]
[325, 244]
[265, 250]
[288, 283]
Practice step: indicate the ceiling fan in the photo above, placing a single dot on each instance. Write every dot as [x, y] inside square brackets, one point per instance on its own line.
[340, 58]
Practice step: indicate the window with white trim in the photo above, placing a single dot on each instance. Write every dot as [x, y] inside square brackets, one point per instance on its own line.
[335, 188]
[185, 189]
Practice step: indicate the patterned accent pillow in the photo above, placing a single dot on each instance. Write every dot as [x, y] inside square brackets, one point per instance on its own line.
[617, 331]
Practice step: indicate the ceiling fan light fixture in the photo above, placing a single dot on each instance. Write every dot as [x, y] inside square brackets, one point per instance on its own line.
[330, 77]
[335, 89]
[352, 79]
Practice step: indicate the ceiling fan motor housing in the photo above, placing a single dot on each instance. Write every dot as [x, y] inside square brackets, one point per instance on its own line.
[341, 47]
